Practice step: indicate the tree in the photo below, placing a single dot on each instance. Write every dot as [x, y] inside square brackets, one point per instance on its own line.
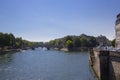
[52, 42]
[76, 42]
[1, 40]
[113, 42]
[18, 43]
[12, 40]
[69, 44]
[6, 40]
[92, 41]
[68, 38]
[84, 42]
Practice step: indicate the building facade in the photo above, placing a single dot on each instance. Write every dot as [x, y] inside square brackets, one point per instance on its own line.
[103, 41]
[117, 30]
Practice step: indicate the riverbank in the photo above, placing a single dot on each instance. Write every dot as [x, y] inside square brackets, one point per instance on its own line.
[72, 49]
[9, 51]
[93, 72]
[61, 49]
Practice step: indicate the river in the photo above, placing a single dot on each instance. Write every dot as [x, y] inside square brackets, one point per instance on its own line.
[41, 64]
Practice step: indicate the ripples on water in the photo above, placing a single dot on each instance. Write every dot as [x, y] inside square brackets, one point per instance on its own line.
[45, 65]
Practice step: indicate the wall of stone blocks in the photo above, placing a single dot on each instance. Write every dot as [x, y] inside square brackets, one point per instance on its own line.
[106, 64]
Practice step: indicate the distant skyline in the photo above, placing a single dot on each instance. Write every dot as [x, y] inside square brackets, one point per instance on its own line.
[44, 20]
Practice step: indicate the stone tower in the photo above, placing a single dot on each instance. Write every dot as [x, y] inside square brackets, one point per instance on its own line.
[117, 30]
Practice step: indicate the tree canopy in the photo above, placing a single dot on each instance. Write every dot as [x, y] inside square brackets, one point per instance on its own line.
[75, 41]
[8, 40]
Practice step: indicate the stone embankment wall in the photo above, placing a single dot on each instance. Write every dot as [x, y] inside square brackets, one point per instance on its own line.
[114, 65]
[106, 64]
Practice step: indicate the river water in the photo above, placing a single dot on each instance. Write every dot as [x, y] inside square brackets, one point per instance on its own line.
[41, 64]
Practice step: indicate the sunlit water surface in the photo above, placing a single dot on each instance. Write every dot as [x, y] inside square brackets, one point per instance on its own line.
[42, 64]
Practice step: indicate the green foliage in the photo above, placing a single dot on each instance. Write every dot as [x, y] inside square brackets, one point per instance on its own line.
[1, 39]
[68, 38]
[69, 44]
[92, 42]
[57, 42]
[12, 40]
[113, 42]
[9, 41]
[84, 42]
[52, 42]
[76, 42]
[18, 43]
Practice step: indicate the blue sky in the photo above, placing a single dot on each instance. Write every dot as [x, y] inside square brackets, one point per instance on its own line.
[43, 20]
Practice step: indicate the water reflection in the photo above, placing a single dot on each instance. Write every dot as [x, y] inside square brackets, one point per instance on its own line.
[6, 59]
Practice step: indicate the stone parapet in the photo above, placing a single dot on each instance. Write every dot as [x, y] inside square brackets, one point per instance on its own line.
[106, 64]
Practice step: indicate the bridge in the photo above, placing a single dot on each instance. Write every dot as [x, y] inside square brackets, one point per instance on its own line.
[47, 45]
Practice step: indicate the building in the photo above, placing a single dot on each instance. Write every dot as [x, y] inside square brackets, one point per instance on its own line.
[103, 41]
[117, 30]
